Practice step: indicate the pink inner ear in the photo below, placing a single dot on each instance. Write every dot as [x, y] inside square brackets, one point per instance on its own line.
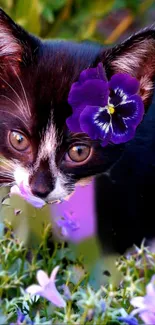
[8, 43]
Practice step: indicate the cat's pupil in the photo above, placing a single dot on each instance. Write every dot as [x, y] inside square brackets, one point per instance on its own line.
[79, 150]
[18, 137]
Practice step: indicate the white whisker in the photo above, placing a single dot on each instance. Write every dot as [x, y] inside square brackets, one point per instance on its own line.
[7, 163]
[24, 92]
[15, 117]
[13, 90]
[13, 103]
[7, 184]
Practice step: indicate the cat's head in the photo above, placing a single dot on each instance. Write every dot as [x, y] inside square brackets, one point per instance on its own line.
[35, 80]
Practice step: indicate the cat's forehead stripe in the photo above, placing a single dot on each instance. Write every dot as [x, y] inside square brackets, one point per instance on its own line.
[49, 143]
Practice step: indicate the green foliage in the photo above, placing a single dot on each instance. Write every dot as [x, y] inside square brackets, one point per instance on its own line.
[85, 305]
[70, 19]
[26, 220]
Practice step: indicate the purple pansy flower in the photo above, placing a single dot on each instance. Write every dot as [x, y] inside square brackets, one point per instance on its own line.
[47, 288]
[109, 111]
[145, 306]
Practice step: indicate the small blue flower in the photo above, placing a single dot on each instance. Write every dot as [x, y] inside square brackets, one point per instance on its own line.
[22, 319]
[130, 320]
[67, 223]
[108, 111]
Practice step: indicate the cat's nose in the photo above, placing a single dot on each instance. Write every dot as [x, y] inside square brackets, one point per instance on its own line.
[41, 184]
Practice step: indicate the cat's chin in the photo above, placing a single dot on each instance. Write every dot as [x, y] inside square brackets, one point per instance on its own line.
[54, 202]
[66, 198]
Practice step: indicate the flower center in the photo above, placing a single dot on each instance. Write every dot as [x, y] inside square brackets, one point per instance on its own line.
[111, 109]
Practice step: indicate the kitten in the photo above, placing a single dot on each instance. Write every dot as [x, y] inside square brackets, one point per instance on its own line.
[39, 150]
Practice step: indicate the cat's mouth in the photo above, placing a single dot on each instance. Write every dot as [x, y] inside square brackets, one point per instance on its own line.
[54, 202]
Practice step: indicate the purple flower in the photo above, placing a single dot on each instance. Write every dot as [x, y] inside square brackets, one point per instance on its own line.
[24, 191]
[67, 223]
[66, 291]
[145, 306]
[130, 320]
[22, 319]
[47, 288]
[85, 220]
[106, 111]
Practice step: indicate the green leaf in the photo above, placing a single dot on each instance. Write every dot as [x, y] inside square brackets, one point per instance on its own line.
[56, 4]
[48, 15]
[27, 14]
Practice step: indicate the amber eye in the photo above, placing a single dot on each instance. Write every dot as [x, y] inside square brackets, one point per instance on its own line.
[79, 153]
[18, 141]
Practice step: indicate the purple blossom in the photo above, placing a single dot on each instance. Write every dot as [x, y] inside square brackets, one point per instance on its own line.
[22, 319]
[145, 306]
[130, 320]
[66, 291]
[23, 191]
[67, 223]
[106, 111]
[47, 288]
[83, 196]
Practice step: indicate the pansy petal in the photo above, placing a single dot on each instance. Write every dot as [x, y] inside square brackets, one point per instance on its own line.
[120, 131]
[73, 123]
[123, 81]
[42, 278]
[132, 110]
[92, 92]
[34, 289]
[87, 122]
[106, 138]
[96, 131]
[93, 73]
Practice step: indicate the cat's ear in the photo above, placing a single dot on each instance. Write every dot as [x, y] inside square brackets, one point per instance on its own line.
[135, 56]
[15, 43]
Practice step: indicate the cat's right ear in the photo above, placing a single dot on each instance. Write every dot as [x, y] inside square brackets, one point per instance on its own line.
[16, 45]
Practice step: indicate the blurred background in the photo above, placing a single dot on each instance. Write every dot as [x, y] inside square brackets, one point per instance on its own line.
[104, 21]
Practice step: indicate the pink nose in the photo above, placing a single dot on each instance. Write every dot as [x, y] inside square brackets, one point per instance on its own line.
[41, 183]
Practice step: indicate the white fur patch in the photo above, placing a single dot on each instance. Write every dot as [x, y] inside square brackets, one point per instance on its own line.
[48, 145]
[21, 175]
[60, 191]
[47, 150]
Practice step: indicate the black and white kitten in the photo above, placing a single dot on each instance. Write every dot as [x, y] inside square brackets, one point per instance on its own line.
[35, 79]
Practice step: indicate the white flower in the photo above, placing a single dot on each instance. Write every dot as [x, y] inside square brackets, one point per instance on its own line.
[47, 288]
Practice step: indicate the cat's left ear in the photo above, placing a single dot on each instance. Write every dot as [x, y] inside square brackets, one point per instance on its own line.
[16, 45]
[135, 56]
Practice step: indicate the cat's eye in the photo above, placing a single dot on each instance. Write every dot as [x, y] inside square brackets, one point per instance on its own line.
[78, 153]
[18, 141]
